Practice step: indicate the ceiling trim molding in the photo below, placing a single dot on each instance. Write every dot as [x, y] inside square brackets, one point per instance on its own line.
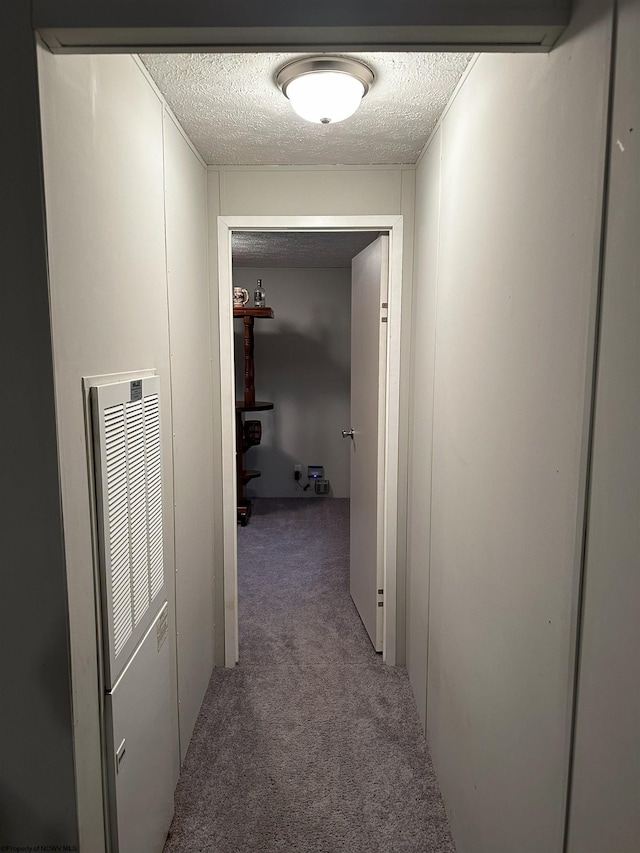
[320, 167]
[201, 25]
[485, 39]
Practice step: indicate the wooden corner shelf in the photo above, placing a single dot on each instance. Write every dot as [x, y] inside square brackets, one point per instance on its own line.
[249, 404]
[246, 311]
[256, 406]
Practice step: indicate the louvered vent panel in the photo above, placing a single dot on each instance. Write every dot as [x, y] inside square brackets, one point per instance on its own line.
[129, 469]
[118, 524]
[137, 508]
[154, 492]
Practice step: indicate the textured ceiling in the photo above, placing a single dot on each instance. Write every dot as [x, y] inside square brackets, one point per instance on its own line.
[233, 112]
[290, 249]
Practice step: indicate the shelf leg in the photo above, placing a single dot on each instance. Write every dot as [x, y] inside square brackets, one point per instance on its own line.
[249, 369]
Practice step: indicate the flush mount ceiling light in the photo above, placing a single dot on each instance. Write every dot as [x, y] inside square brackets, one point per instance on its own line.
[325, 89]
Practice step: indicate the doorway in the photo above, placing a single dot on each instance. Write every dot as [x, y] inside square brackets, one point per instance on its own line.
[389, 498]
[302, 364]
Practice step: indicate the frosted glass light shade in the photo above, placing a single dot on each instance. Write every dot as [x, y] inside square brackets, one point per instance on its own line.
[325, 97]
[325, 90]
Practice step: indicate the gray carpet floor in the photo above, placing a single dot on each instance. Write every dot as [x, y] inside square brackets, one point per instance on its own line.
[311, 744]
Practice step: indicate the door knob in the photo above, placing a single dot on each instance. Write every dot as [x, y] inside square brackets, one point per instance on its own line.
[347, 433]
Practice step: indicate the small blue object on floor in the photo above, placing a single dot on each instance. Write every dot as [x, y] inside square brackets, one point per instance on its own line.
[311, 744]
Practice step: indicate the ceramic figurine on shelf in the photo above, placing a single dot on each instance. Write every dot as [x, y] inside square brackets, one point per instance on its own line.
[259, 295]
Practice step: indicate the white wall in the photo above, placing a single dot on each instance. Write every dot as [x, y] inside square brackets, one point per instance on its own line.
[423, 336]
[116, 307]
[604, 811]
[192, 420]
[308, 191]
[303, 366]
[507, 244]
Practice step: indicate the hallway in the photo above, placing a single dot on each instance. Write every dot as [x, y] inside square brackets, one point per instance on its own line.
[311, 744]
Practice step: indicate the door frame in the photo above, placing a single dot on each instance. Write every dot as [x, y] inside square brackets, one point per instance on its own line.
[393, 224]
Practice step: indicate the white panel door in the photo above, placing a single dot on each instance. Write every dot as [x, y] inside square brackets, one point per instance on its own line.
[369, 287]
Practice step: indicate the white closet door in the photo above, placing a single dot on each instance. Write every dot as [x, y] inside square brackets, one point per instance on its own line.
[369, 288]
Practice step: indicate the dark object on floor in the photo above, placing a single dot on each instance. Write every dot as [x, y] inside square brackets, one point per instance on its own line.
[311, 744]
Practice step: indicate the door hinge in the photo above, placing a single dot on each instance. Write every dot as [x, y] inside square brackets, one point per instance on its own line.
[120, 753]
[381, 603]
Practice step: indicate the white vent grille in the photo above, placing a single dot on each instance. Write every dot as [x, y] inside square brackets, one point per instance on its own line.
[118, 515]
[137, 509]
[129, 472]
[154, 492]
